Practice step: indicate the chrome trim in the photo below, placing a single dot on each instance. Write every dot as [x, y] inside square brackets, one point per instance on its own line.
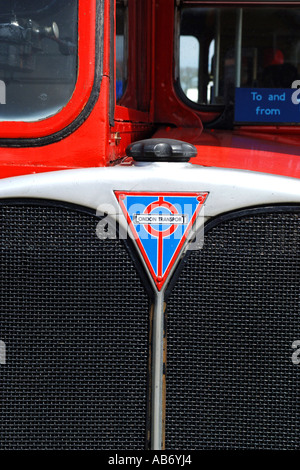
[229, 189]
[157, 372]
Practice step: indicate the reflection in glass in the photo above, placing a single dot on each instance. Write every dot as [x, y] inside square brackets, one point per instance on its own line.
[38, 57]
[238, 47]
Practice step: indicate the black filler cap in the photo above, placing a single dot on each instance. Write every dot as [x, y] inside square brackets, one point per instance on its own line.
[161, 150]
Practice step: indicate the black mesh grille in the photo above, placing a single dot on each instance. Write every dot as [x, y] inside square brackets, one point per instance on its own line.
[232, 318]
[74, 318]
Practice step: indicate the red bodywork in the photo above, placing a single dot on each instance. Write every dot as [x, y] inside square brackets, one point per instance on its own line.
[103, 136]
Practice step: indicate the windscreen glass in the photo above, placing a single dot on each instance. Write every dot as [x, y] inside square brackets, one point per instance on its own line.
[38, 57]
[244, 58]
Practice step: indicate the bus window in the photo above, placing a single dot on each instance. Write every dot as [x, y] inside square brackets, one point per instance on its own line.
[38, 57]
[239, 48]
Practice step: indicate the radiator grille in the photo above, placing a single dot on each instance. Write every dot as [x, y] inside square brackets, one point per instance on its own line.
[74, 317]
[232, 318]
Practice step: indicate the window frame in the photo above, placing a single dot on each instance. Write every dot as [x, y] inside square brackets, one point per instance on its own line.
[135, 104]
[212, 108]
[83, 87]
[216, 108]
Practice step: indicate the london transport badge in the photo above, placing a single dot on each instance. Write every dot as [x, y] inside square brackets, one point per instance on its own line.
[160, 223]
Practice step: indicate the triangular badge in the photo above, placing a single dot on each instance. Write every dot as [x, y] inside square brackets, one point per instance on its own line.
[160, 223]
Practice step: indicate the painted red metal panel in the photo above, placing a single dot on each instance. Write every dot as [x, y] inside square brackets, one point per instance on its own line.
[279, 155]
[134, 114]
[267, 149]
[169, 108]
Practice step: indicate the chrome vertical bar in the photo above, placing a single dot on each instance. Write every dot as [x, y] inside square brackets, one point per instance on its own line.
[157, 372]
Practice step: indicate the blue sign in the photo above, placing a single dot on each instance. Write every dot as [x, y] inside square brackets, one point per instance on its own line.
[267, 105]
